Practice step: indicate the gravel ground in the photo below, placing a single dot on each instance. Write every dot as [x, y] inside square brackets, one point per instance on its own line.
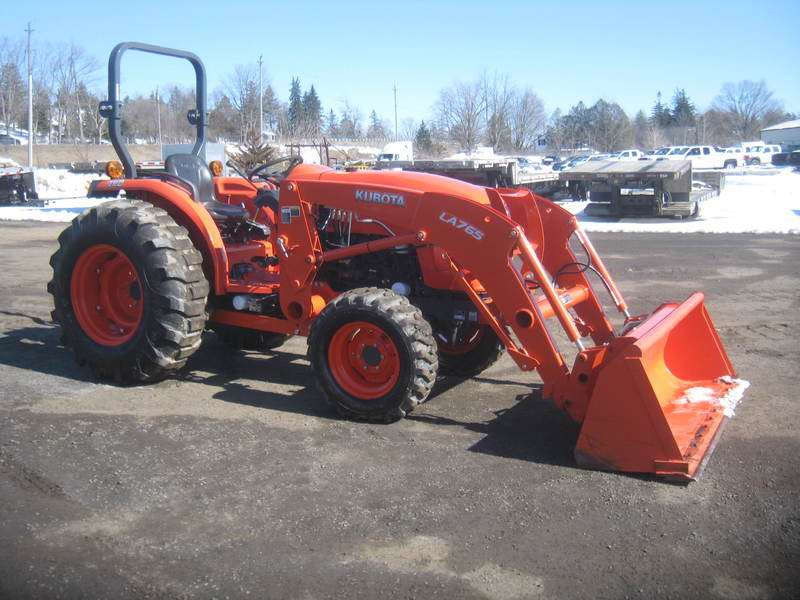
[234, 479]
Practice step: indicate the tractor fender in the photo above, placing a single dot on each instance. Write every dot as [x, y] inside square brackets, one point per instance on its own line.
[203, 232]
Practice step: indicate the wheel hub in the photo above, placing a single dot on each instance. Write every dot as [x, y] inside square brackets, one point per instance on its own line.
[364, 360]
[371, 356]
[106, 295]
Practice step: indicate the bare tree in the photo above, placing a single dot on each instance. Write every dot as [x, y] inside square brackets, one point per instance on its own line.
[743, 106]
[460, 111]
[351, 123]
[241, 88]
[12, 90]
[224, 120]
[499, 97]
[527, 120]
[610, 126]
[74, 72]
[408, 129]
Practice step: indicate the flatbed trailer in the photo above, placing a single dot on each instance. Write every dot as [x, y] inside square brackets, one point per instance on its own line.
[487, 172]
[17, 186]
[653, 188]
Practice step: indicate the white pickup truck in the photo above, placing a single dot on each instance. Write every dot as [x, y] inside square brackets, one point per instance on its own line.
[702, 157]
[762, 155]
[631, 154]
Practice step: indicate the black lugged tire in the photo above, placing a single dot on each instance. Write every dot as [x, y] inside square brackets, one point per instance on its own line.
[240, 338]
[174, 290]
[410, 333]
[474, 361]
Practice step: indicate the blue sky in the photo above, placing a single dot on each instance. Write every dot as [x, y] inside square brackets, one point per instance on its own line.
[565, 51]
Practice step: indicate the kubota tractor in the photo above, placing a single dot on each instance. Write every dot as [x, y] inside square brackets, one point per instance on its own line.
[394, 277]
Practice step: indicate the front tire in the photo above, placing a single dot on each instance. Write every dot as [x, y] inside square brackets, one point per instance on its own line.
[373, 355]
[129, 291]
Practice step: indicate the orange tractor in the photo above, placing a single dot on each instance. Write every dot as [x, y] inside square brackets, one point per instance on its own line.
[395, 277]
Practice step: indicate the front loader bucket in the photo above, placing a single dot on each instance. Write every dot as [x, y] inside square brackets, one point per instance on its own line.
[662, 394]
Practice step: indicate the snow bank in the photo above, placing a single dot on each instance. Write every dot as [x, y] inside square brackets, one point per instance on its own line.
[54, 184]
[762, 201]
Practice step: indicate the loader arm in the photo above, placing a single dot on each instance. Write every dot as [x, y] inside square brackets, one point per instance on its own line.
[652, 400]
[493, 243]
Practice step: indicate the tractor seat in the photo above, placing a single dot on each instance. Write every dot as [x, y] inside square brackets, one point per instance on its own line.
[191, 169]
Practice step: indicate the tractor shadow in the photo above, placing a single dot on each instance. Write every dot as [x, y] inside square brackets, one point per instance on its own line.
[38, 348]
[218, 366]
[532, 430]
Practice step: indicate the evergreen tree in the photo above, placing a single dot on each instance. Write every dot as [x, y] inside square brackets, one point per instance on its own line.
[376, 129]
[683, 113]
[641, 130]
[272, 109]
[332, 124]
[661, 115]
[423, 140]
[295, 107]
[312, 112]
[253, 152]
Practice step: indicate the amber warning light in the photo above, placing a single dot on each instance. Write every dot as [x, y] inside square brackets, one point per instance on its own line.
[114, 169]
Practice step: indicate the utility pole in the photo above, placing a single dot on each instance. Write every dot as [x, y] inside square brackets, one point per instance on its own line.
[30, 99]
[260, 98]
[395, 111]
[158, 116]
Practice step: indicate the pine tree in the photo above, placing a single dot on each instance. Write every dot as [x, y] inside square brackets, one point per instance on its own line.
[312, 112]
[253, 152]
[376, 129]
[683, 113]
[295, 107]
[332, 124]
[423, 140]
[661, 115]
[272, 108]
[641, 127]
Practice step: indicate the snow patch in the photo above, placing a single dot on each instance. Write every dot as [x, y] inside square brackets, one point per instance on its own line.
[765, 200]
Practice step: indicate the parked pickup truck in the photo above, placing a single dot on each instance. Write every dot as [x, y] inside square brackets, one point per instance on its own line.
[734, 157]
[701, 157]
[631, 154]
[762, 155]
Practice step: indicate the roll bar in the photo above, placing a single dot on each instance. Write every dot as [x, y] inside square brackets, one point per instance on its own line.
[111, 109]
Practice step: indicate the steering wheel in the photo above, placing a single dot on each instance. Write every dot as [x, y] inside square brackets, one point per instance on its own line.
[278, 176]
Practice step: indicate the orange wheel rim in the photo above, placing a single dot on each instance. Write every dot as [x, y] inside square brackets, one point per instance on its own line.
[106, 295]
[364, 360]
[468, 340]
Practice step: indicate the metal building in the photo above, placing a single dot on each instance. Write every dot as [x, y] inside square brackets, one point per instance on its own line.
[786, 134]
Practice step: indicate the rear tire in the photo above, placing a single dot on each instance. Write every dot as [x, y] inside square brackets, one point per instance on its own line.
[129, 291]
[373, 355]
[477, 349]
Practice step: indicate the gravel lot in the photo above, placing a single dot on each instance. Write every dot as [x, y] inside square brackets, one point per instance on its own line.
[234, 479]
